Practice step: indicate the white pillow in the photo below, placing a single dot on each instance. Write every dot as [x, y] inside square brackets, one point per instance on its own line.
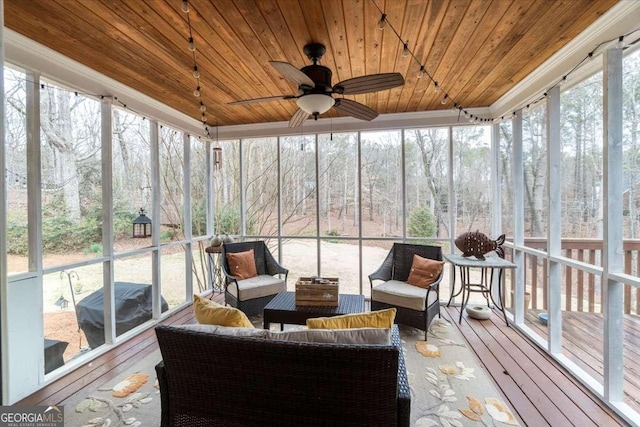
[376, 336]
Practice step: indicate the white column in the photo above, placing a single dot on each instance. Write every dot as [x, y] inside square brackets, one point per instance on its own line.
[186, 208]
[453, 211]
[279, 155]
[554, 224]
[154, 142]
[106, 139]
[211, 206]
[518, 218]
[359, 190]
[612, 254]
[404, 185]
[3, 224]
[496, 193]
[496, 198]
[318, 272]
[211, 203]
[34, 170]
[243, 199]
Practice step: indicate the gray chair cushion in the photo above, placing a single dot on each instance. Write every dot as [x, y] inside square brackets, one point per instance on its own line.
[257, 287]
[402, 294]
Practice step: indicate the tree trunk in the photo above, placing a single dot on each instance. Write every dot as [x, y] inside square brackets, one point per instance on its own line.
[56, 124]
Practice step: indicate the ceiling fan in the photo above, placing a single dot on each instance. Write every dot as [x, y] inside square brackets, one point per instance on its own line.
[315, 90]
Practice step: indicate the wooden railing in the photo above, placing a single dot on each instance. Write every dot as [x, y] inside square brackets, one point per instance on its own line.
[582, 291]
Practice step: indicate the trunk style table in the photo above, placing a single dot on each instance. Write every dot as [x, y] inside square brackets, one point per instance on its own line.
[283, 309]
[489, 265]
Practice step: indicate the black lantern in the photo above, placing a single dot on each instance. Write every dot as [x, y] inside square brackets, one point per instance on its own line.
[141, 226]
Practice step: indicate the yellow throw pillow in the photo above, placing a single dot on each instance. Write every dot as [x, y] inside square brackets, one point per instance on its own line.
[424, 271]
[242, 265]
[209, 312]
[372, 319]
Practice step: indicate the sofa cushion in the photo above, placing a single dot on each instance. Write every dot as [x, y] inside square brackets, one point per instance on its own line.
[257, 287]
[375, 336]
[242, 265]
[373, 319]
[226, 330]
[424, 271]
[401, 294]
[211, 313]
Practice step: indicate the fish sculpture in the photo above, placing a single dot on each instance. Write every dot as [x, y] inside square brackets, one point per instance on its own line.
[475, 243]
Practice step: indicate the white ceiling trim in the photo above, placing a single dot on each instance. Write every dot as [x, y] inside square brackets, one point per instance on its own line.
[349, 124]
[620, 19]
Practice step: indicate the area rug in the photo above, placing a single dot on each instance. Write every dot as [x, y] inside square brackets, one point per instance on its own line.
[448, 387]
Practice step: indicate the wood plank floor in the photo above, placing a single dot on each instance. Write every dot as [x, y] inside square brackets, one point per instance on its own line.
[582, 336]
[541, 392]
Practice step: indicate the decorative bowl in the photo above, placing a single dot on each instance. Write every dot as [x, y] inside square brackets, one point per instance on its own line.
[544, 317]
[480, 312]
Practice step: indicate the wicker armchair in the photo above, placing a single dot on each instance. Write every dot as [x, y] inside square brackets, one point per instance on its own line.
[214, 380]
[252, 295]
[415, 306]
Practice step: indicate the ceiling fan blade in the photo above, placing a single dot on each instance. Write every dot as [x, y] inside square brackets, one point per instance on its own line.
[355, 109]
[292, 73]
[298, 118]
[369, 83]
[267, 98]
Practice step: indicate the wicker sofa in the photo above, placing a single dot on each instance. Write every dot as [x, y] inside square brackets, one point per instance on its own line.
[213, 380]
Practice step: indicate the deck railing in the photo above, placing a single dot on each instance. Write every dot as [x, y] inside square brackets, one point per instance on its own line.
[581, 289]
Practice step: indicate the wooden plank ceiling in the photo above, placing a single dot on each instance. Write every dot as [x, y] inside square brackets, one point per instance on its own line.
[477, 50]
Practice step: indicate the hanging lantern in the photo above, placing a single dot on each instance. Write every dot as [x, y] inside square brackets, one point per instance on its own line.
[141, 226]
[217, 157]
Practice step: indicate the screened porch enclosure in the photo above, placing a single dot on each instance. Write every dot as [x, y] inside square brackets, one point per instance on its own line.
[559, 176]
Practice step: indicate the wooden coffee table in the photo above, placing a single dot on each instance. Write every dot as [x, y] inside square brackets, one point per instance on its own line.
[283, 309]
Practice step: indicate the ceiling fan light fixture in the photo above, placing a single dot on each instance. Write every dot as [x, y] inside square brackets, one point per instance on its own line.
[315, 103]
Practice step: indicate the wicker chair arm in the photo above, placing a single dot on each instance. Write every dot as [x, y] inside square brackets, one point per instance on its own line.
[273, 267]
[163, 386]
[385, 271]
[404, 393]
[434, 287]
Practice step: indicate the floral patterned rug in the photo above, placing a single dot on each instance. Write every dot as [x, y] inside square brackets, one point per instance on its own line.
[132, 399]
[448, 385]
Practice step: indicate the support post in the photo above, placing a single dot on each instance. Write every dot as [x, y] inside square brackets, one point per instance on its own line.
[154, 142]
[187, 217]
[518, 218]
[106, 135]
[554, 224]
[612, 253]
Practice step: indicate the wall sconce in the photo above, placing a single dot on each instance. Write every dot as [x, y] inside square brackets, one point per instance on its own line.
[217, 158]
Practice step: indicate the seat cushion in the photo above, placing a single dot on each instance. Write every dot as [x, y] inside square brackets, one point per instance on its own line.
[257, 287]
[402, 294]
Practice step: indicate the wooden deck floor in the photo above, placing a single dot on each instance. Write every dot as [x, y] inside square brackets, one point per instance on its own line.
[582, 335]
[538, 389]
